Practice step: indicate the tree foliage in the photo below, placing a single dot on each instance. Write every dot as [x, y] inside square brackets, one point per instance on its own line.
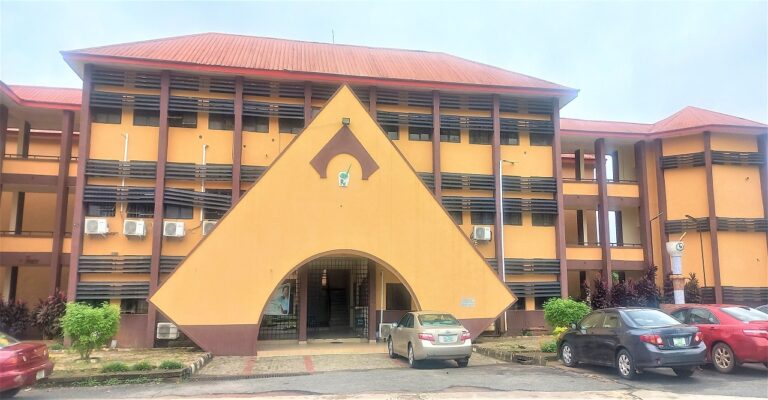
[88, 327]
[601, 296]
[647, 293]
[47, 314]
[14, 317]
[563, 312]
[692, 289]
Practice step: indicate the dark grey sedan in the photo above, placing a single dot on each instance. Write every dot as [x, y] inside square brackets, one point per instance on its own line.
[633, 339]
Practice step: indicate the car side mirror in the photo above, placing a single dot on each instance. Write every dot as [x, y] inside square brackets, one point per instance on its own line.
[573, 326]
[394, 325]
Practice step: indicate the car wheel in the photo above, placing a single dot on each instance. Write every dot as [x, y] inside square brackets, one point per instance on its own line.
[412, 357]
[723, 358]
[9, 393]
[625, 364]
[391, 349]
[462, 362]
[684, 372]
[566, 354]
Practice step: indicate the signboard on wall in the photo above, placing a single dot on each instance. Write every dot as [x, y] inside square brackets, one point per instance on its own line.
[280, 301]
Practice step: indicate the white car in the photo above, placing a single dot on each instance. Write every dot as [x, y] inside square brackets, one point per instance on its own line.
[422, 335]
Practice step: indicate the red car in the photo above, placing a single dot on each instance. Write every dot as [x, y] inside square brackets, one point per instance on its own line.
[733, 334]
[21, 365]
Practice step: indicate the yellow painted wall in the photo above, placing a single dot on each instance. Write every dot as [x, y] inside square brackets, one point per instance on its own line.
[737, 191]
[686, 192]
[623, 190]
[580, 188]
[730, 142]
[683, 145]
[743, 259]
[583, 253]
[391, 217]
[32, 285]
[627, 254]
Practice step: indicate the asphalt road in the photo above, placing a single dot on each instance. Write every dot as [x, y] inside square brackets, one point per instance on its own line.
[491, 381]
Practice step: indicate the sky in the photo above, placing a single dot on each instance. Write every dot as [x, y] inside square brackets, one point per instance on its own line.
[631, 60]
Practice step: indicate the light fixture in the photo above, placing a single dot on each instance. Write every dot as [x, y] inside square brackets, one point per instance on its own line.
[345, 121]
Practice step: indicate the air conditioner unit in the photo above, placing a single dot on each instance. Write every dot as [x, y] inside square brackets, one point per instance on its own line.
[385, 330]
[167, 330]
[173, 229]
[208, 227]
[481, 233]
[134, 227]
[96, 226]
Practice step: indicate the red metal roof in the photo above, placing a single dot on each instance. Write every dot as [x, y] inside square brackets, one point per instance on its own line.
[693, 117]
[280, 55]
[584, 125]
[43, 96]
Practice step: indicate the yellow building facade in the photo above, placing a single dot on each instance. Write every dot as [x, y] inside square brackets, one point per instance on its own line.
[317, 191]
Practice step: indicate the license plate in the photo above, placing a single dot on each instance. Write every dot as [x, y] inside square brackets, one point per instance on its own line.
[679, 342]
[40, 375]
[447, 338]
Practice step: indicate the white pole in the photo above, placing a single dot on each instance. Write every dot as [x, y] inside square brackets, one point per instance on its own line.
[383, 304]
[202, 182]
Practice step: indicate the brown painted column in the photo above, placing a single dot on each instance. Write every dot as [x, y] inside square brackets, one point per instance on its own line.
[762, 147]
[307, 103]
[372, 102]
[578, 160]
[22, 140]
[662, 193]
[303, 303]
[436, 170]
[157, 220]
[557, 168]
[3, 138]
[83, 149]
[712, 216]
[602, 210]
[497, 187]
[62, 192]
[641, 171]
[237, 140]
[371, 302]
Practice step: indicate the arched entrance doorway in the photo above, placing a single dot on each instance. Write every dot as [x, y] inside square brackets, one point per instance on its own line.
[336, 297]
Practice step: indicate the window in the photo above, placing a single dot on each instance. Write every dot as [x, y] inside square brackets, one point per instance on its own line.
[437, 320]
[540, 219]
[621, 276]
[419, 134]
[256, 124]
[94, 302]
[182, 119]
[519, 304]
[172, 211]
[222, 122]
[140, 210]
[539, 139]
[457, 216]
[215, 214]
[291, 125]
[483, 217]
[146, 117]
[513, 218]
[100, 209]
[611, 321]
[392, 131]
[510, 138]
[104, 115]
[744, 314]
[451, 135]
[649, 319]
[480, 136]
[592, 320]
[133, 306]
[680, 315]
[701, 316]
[398, 297]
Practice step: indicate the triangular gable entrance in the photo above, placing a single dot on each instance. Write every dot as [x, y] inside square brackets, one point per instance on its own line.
[218, 293]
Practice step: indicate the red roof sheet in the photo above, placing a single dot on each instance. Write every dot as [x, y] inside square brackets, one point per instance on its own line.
[693, 117]
[269, 54]
[43, 96]
[604, 126]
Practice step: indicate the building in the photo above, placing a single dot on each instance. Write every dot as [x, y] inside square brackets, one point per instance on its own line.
[318, 147]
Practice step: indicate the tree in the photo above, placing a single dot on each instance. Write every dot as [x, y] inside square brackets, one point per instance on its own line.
[622, 294]
[88, 327]
[600, 295]
[14, 317]
[561, 313]
[692, 289]
[646, 292]
[47, 313]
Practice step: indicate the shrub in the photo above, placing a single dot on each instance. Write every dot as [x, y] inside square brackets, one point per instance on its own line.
[692, 290]
[646, 291]
[14, 317]
[171, 364]
[600, 295]
[622, 294]
[114, 367]
[47, 314]
[143, 366]
[564, 312]
[559, 331]
[549, 347]
[90, 327]
[56, 346]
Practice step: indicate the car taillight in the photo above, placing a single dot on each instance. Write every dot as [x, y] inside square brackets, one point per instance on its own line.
[426, 336]
[756, 332]
[652, 339]
[465, 336]
[697, 337]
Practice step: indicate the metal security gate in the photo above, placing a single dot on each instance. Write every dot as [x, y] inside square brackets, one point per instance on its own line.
[337, 298]
[281, 315]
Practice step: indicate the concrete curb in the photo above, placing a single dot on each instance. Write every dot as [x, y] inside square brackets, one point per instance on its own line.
[197, 365]
[525, 358]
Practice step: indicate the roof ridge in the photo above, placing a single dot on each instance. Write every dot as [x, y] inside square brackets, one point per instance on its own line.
[506, 70]
[607, 121]
[12, 85]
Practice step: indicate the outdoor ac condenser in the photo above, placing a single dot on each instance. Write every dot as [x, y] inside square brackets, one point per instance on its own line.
[134, 227]
[173, 229]
[167, 330]
[208, 227]
[481, 233]
[96, 226]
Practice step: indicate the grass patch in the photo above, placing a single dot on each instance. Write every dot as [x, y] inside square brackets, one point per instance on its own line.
[56, 346]
[68, 363]
[171, 364]
[114, 367]
[549, 347]
[92, 382]
[142, 366]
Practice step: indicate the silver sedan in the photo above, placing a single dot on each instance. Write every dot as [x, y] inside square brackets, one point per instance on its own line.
[422, 335]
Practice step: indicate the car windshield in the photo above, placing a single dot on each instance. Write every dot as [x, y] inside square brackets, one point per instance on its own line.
[650, 318]
[745, 314]
[432, 320]
[6, 340]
